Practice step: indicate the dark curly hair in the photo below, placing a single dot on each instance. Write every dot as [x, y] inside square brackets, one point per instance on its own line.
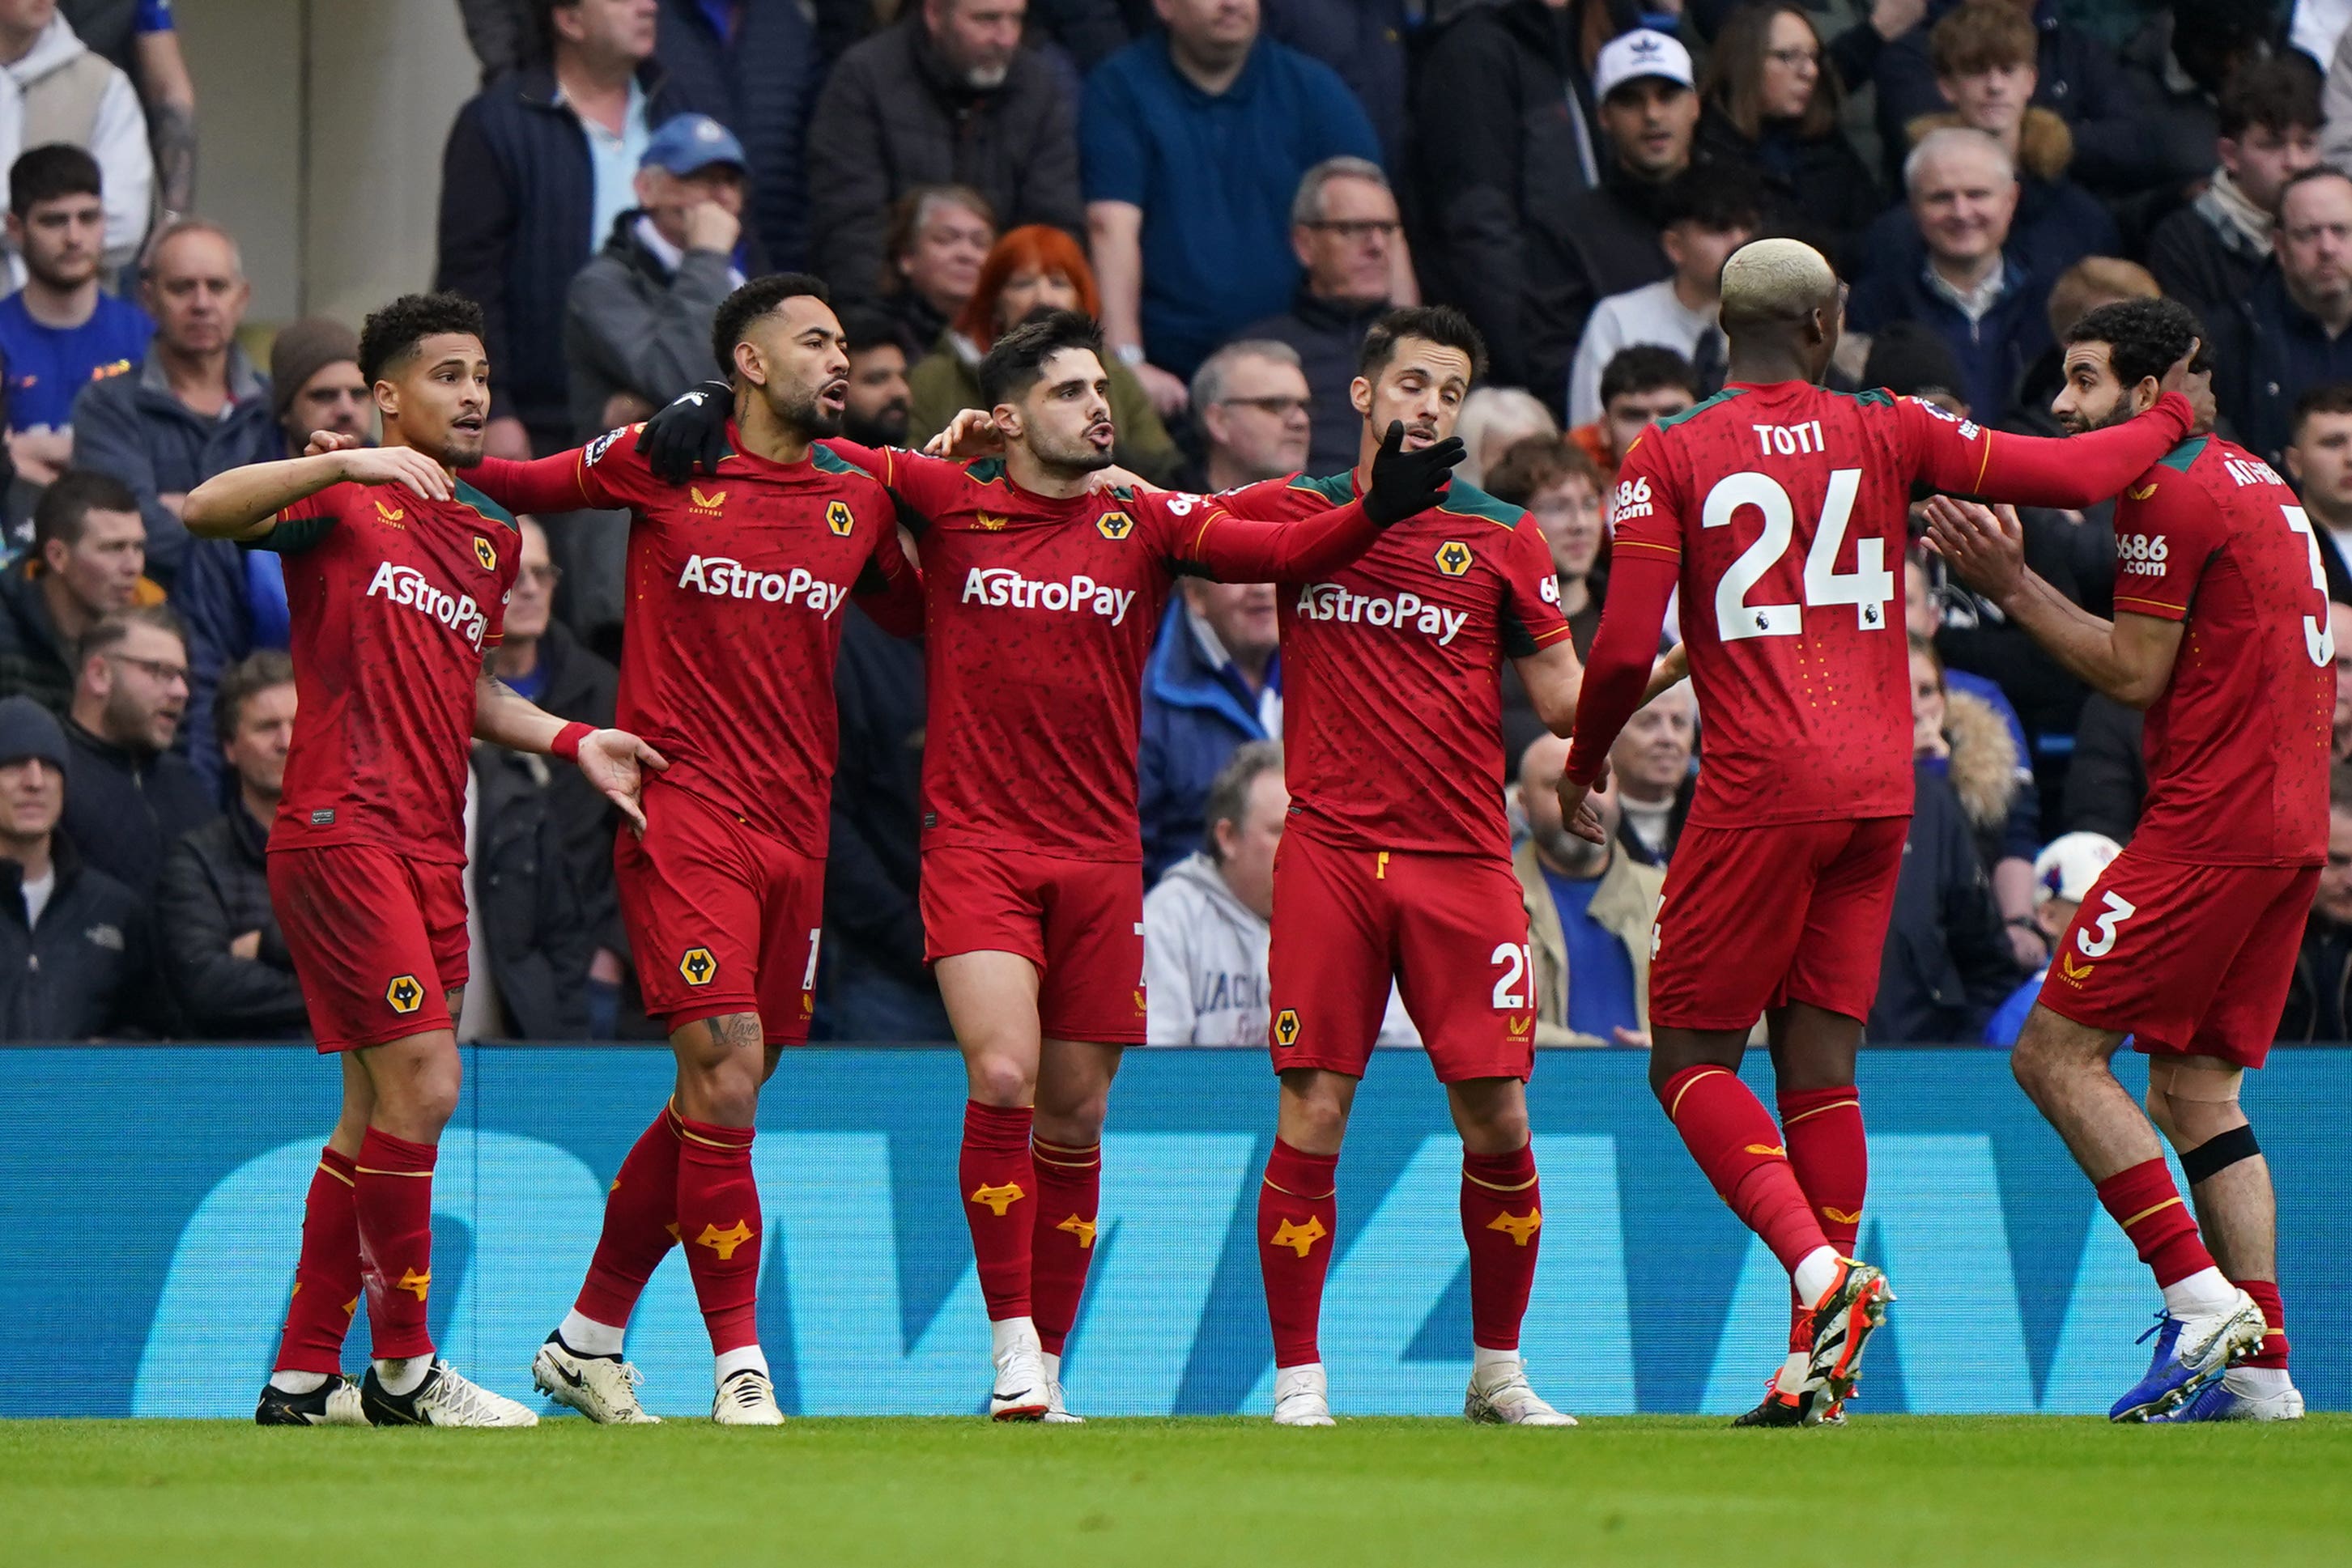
[2144, 337]
[1014, 363]
[753, 301]
[392, 332]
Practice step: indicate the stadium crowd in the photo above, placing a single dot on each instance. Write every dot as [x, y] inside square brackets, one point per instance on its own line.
[1237, 190]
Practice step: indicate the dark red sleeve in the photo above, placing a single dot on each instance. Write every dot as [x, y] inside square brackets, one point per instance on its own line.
[556, 483]
[1959, 457]
[1624, 652]
[1251, 549]
[890, 589]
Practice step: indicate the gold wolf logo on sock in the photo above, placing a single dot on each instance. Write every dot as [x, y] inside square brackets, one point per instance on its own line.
[724, 1242]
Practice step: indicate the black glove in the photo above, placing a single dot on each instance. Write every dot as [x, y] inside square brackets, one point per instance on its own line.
[1406, 484]
[691, 434]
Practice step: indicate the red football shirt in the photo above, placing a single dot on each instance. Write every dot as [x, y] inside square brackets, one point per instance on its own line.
[735, 588]
[1391, 670]
[1041, 614]
[2238, 743]
[1781, 512]
[393, 600]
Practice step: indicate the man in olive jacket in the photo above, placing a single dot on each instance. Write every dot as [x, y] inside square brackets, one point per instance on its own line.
[1619, 897]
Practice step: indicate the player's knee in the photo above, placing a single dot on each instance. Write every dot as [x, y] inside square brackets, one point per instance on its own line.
[1002, 1081]
[2159, 1106]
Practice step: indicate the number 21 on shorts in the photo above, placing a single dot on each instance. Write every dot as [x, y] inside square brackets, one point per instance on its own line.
[1514, 987]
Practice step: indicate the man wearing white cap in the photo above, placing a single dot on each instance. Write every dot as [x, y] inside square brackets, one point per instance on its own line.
[2062, 874]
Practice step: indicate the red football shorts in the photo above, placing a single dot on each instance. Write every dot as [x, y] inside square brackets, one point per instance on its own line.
[723, 917]
[1450, 930]
[1080, 922]
[377, 939]
[1757, 918]
[2190, 960]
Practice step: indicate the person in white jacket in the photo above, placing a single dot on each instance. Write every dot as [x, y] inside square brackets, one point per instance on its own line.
[1206, 923]
[53, 89]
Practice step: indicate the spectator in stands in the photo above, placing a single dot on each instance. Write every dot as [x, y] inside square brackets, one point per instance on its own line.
[1206, 923]
[939, 239]
[1771, 109]
[2106, 779]
[60, 332]
[2319, 1000]
[1254, 407]
[540, 658]
[129, 796]
[878, 985]
[53, 89]
[142, 41]
[1707, 213]
[758, 68]
[1494, 420]
[2062, 874]
[89, 551]
[74, 953]
[1345, 232]
[195, 406]
[530, 938]
[1364, 40]
[1639, 386]
[2319, 460]
[1976, 747]
[2093, 281]
[2207, 254]
[538, 167]
[879, 399]
[950, 94]
[1591, 910]
[1986, 304]
[1945, 967]
[223, 950]
[1194, 141]
[636, 325]
[1033, 268]
[1613, 232]
[1213, 683]
[1984, 54]
[2287, 334]
[2118, 146]
[1924, 617]
[1652, 762]
[1555, 479]
[2339, 624]
[233, 600]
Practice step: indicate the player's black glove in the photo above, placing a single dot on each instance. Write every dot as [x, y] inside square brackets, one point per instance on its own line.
[1406, 484]
[691, 434]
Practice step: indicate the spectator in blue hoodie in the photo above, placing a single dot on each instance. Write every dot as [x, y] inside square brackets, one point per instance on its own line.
[1214, 682]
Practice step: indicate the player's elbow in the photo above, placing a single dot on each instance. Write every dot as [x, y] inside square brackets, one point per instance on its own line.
[1554, 706]
[2138, 689]
[207, 514]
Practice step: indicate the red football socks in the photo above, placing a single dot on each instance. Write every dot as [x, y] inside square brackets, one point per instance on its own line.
[719, 1221]
[2265, 1293]
[2148, 1205]
[1502, 1219]
[1298, 1214]
[1738, 1144]
[997, 1180]
[640, 1225]
[1069, 1191]
[327, 1276]
[1821, 1130]
[392, 1200]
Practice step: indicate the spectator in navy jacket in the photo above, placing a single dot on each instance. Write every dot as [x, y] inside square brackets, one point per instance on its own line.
[129, 797]
[538, 164]
[2207, 254]
[1983, 301]
[1214, 681]
[757, 69]
[2288, 334]
[1192, 143]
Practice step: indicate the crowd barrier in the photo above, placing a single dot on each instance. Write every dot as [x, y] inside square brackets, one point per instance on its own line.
[152, 1199]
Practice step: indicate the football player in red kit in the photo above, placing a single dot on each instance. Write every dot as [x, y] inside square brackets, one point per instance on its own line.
[396, 578]
[1044, 591]
[2188, 941]
[737, 585]
[1780, 511]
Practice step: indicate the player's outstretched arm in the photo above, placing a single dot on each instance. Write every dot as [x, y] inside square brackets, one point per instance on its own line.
[612, 759]
[1618, 679]
[243, 503]
[1405, 485]
[556, 483]
[2129, 659]
[689, 437]
[2074, 471]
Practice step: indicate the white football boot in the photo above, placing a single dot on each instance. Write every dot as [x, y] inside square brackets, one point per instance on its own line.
[746, 1399]
[1499, 1396]
[446, 1398]
[601, 1388]
[1057, 1410]
[1302, 1397]
[1020, 1390]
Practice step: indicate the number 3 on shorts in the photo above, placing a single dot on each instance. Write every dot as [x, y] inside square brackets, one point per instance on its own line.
[1519, 964]
[2116, 912]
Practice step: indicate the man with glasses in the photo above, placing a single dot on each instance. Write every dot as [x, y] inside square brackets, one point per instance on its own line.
[128, 798]
[1255, 405]
[1345, 233]
[2287, 334]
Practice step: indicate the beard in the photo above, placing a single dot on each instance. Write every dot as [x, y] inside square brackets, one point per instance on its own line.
[803, 413]
[1068, 457]
[886, 426]
[1573, 855]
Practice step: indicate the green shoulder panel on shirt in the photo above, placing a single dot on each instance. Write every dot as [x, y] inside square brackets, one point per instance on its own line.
[987, 470]
[1464, 499]
[470, 498]
[1338, 489]
[827, 461]
[1869, 397]
[1726, 395]
[2181, 456]
[291, 538]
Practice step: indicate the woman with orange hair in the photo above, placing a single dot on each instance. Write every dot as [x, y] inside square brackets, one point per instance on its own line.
[1034, 268]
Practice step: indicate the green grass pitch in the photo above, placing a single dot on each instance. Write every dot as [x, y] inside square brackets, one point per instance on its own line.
[1651, 1490]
